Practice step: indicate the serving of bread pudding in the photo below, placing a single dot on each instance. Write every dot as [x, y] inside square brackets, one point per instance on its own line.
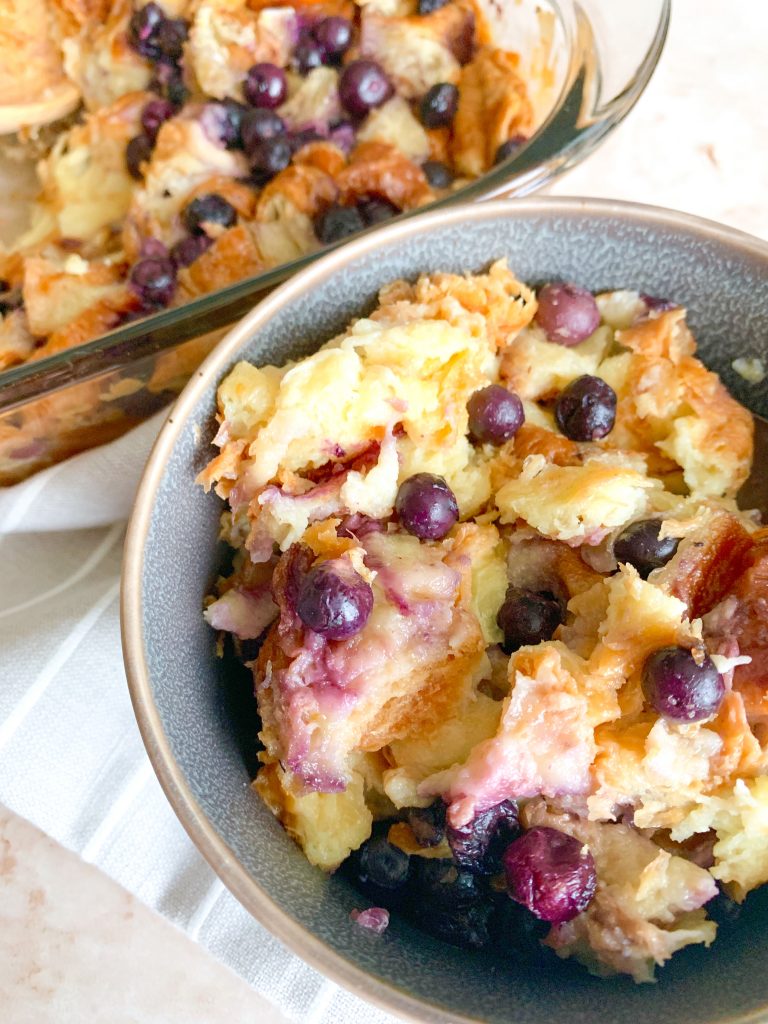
[505, 619]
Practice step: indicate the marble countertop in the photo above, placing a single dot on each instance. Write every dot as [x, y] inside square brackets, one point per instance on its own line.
[73, 944]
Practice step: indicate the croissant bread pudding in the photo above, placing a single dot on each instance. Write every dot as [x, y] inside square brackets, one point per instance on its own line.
[506, 622]
[220, 138]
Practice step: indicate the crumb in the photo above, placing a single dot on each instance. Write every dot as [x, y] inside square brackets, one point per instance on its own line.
[751, 369]
[375, 919]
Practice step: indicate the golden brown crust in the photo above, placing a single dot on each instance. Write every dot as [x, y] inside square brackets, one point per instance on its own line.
[709, 562]
[306, 187]
[378, 169]
[674, 410]
[232, 257]
[323, 155]
[103, 316]
[493, 107]
[534, 440]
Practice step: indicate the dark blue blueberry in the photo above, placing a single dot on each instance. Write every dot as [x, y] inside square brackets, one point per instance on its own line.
[518, 934]
[154, 281]
[154, 115]
[443, 883]
[258, 126]
[143, 30]
[208, 209]
[528, 617]
[585, 410]
[171, 36]
[265, 85]
[509, 148]
[168, 82]
[428, 823]
[334, 600]
[426, 506]
[308, 55]
[439, 105]
[377, 210]
[477, 846]
[640, 545]
[189, 249]
[363, 85]
[334, 36]
[382, 871]
[495, 415]
[270, 157]
[428, 6]
[338, 222]
[464, 926]
[438, 174]
[682, 685]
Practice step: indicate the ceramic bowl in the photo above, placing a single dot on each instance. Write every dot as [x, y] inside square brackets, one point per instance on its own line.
[196, 712]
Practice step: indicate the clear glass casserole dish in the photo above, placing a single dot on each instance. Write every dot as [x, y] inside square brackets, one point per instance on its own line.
[585, 64]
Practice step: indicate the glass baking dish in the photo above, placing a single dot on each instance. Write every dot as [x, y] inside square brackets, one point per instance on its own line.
[588, 63]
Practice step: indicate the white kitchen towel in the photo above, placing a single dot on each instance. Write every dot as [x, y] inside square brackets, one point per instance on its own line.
[71, 758]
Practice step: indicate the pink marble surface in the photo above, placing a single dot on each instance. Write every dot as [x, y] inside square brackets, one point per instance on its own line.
[76, 948]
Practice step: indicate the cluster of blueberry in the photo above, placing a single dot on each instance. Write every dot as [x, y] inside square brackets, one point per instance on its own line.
[256, 128]
[500, 887]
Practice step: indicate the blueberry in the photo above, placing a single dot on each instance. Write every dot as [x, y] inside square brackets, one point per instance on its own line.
[438, 174]
[375, 211]
[171, 36]
[168, 82]
[640, 545]
[478, 845]
[428, 6]
[682, 685]
[271, 156]
[154, 115]
[428, 823]
[222, 122]
[334, 600]
[189, 249]
[527, 617]
[439, 105]
[518, 933]
[443, 883]
[656, 305]
[208, 209]
[143, 29]
[509, 148]
[566, 313]
[154, 281]
[586, 409]
[137, 152]
[308, 55]
[426, 506]
[495, 415]
[259, 125]
[363, 85]
[265, 85]
[334, 35]
[550, 873]
[338, 222]
[381, 870]
[465, 926]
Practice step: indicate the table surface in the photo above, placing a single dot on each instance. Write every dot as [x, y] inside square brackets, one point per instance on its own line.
[72, 941]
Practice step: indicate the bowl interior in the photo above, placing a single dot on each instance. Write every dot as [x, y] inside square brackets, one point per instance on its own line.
[197, 714]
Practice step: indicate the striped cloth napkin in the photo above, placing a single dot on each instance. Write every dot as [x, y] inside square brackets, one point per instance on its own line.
[71, 758]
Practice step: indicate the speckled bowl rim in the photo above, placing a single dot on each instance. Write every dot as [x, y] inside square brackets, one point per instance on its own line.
[213, 848]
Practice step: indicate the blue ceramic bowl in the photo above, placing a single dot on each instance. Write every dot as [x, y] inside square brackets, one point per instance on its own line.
[196, 713]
